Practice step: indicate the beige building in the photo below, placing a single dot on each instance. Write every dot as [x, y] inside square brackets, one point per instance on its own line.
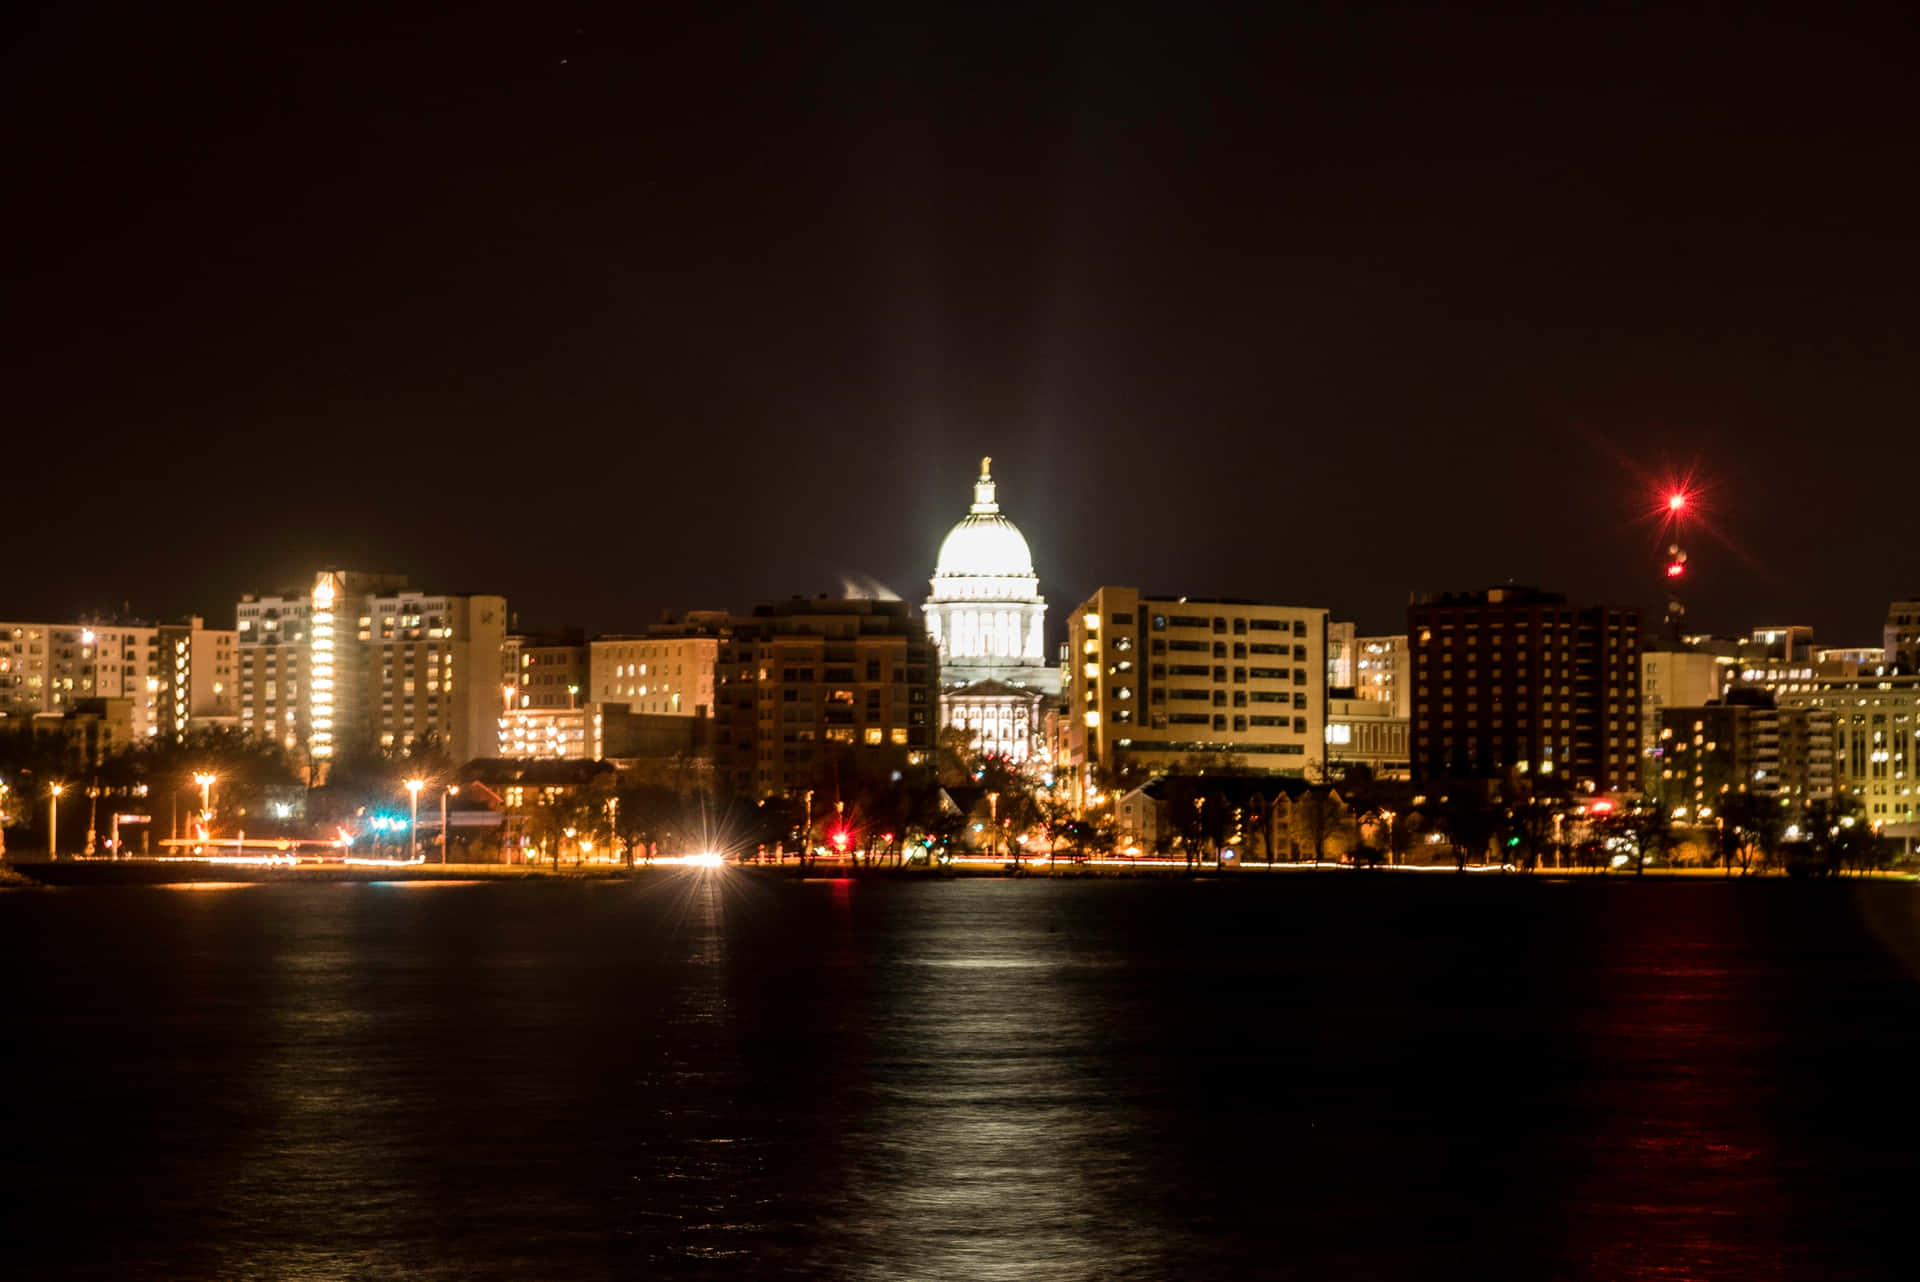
[551, 734]
[1673, 679]
[173, 676]
[1160, 684]
[667, 671]
[1364, 732]
[359, 661]
[1876, 743]
[543, 673]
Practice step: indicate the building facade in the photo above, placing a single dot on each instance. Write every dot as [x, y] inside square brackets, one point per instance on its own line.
[1900, 637]
[1674, 675]
[667, 671]
[360, 662]
[544, 673]
[174, 677]
[1364, 732]
[1380, 668]
[1165, 684]
[986, 616]
[1876, 743]
[807, 684]
[1515, 679]
[1342, 654]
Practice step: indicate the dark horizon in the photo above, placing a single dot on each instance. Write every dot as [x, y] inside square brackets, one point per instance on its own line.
[612, 312]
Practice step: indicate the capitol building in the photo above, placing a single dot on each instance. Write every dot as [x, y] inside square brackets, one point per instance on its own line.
[987, 617]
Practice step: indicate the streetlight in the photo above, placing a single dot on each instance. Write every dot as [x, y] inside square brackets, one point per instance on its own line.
[206, 781]
[993, 812]
[446, 792]
[53, 820]
[413, 823]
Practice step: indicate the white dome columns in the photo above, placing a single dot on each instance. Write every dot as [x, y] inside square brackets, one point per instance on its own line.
[1006, 631]
[985, 612]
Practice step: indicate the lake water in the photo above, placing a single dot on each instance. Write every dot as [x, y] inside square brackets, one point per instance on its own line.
[712, 1075]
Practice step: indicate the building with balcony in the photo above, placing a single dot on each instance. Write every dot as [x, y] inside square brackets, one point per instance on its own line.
[811, 685]
[1165, 684]
[359, 662]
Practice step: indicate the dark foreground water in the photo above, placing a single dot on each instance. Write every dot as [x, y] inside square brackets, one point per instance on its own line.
[712, 1076]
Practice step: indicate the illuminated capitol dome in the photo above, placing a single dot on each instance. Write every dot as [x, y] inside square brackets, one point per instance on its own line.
[989, 620]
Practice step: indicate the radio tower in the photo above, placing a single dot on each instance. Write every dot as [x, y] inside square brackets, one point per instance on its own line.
[1676, 563]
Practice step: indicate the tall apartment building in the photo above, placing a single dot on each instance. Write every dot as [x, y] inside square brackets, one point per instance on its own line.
[1163, 683]
[668, 670]
[359, 661]
[173, 676]
[1518, 679]
[1704, 754]
[799, 677]
[1676, 675]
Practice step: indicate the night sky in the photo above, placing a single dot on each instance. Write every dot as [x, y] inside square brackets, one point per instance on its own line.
[618, 308]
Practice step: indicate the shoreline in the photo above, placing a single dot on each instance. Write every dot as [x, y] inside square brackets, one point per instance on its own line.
[29, 874]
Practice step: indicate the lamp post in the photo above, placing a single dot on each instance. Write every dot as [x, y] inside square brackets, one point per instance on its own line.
[993, 828]
[413, 821]
[445, 792]
[53, 820]
[206, 781]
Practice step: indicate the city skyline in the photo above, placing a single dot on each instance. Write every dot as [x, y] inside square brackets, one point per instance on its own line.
[1306, 308]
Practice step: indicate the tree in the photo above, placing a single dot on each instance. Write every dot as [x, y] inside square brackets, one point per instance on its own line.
[1644, 830]
[1837, 836]
[1318, 815]
[1747, 827]
[1467, 819]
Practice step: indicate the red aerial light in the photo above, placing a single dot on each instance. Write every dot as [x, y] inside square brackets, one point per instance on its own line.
[840, 838]
[1675, 569]
[1676, 501]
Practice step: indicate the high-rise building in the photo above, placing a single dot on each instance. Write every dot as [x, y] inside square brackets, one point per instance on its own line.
[173, 676]
[361, 662]
[1517, 679]
[986, 615]
[1163, 684]
[803, 681]
[1683, 674]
